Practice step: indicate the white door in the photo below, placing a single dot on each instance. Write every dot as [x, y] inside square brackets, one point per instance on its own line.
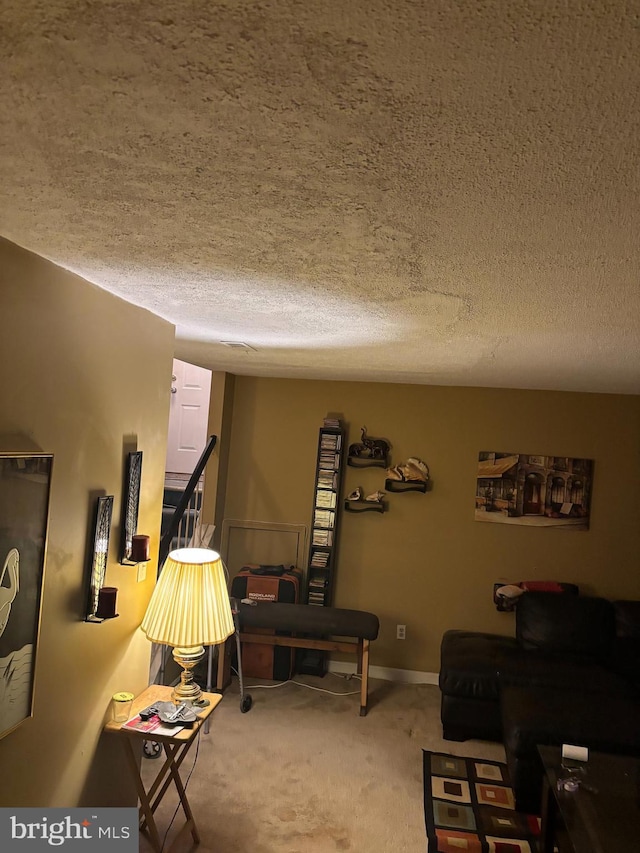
[188, 416]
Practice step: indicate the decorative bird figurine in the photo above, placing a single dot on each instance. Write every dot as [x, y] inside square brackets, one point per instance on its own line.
[412, 471]
[415, 470]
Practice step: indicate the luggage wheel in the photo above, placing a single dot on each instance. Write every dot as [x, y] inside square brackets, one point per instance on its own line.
[151, 749]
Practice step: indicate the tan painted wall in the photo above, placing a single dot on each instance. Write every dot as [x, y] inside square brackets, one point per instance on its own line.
[426, 563]
[86, 376]
[220, 425]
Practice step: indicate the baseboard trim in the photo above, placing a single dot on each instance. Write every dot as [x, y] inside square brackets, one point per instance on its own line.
[388, 673]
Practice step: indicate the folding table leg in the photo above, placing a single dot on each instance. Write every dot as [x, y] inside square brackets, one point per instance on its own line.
[151, 799]
[145, 804]
[184, 802]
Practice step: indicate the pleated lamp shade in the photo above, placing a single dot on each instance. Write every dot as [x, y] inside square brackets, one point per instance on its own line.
[190, 603]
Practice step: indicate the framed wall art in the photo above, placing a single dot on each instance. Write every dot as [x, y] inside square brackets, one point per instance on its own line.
[25, 484]
[534, 490]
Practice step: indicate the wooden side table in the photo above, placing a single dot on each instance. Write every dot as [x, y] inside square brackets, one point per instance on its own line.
[176, 746]
[602, 814]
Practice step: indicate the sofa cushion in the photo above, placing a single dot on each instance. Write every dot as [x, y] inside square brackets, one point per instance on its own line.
[547, 672]
[625, 654]
[530, 717]
[627, 616]
[464, 718]
[565, 624]
[470, 663]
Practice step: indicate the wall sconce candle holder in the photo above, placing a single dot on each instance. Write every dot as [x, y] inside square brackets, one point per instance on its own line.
[100, 608]
[139, 549]
[134, 548]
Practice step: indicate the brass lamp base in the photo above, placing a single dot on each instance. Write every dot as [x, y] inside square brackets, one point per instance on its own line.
[188, 690]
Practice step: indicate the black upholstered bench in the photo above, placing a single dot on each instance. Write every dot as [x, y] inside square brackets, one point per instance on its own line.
[321, 627]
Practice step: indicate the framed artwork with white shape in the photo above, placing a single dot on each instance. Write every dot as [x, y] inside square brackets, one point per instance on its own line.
[25, 484]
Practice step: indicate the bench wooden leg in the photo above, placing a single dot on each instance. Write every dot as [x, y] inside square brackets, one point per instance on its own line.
[363, 656]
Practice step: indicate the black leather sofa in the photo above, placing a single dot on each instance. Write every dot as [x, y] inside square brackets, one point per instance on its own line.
[571, 674]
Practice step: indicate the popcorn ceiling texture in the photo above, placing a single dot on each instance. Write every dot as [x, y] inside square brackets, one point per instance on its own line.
[403, 191]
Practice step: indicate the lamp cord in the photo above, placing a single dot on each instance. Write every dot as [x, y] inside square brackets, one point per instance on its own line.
[302, 684]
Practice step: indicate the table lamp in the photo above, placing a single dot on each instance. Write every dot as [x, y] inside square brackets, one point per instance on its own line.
[189, 609]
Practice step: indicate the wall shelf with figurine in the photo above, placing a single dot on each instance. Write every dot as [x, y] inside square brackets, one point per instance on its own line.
[399, 486]
[365, 506]
[363, 462]
[409, 476]
[368, 452]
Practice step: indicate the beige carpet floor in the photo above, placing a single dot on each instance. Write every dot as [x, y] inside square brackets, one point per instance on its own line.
[302, 772]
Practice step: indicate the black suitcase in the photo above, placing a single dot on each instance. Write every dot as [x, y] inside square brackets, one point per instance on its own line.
[267, 583]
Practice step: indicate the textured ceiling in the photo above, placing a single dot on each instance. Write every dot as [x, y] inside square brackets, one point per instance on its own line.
[399, 190]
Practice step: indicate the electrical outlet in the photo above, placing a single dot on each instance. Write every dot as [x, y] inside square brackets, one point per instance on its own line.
[401, 632]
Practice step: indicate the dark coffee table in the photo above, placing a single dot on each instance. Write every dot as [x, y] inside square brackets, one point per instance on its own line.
[602, 815]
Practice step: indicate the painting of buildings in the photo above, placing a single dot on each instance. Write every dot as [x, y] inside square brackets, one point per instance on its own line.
[539, 491]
